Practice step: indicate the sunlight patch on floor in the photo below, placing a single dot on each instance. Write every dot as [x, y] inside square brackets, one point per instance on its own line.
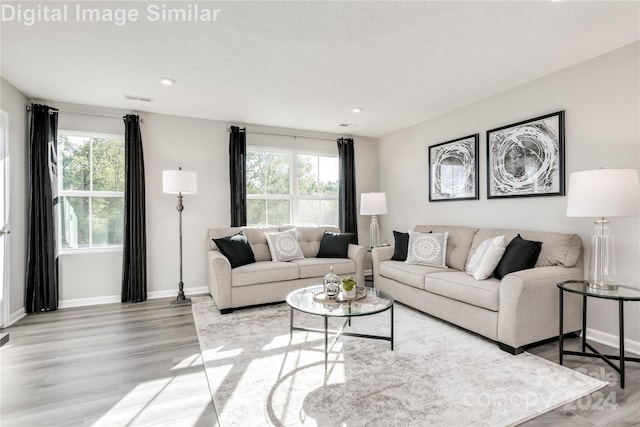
[193, 360]
[165, 400]
[219, 354]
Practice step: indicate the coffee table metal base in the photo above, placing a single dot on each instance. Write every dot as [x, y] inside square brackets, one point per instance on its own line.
[338, 333]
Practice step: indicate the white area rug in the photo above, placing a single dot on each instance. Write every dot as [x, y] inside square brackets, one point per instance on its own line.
[437, 375]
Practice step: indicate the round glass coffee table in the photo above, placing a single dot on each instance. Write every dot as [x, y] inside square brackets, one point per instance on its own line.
[374, 302]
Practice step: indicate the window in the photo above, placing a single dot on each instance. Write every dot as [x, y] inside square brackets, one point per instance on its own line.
[289, 187]
[90, 190]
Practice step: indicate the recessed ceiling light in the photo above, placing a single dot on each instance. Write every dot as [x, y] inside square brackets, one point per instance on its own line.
[357, 110]
[167, 81]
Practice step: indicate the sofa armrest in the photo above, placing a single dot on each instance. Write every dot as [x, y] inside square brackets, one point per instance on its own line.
[379, 254]
[220, 279]
[529, 305]
[358, 254]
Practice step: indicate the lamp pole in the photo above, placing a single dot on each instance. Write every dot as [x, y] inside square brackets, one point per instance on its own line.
[180, 299]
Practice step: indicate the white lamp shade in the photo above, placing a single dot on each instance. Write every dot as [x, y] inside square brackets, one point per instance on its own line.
[604, 193]
[373, 204]
[179, 181]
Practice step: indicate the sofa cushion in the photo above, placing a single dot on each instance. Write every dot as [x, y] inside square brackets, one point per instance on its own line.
[557, 248]
[520, 254]
[284, 245]
[401, 246]
[258, 241]
[216, 233]
[255, 237]
[409, 274]
[334, 245]
[319, 267]
[309, 238]
[459, 286]
[458, 242]
[485, 259]
[264, 272]
[236, 249]
[427, 249]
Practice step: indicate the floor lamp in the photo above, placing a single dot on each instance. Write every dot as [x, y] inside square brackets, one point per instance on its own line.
[180, 182]
[373, 204]
[603, 193]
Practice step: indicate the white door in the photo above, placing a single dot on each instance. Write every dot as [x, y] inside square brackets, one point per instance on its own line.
[4, 218]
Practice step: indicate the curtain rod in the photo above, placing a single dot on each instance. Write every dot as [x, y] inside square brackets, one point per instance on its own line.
[82, 113]
[285, 134]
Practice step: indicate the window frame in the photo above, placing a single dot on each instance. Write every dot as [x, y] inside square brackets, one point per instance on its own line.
[294, 198]
[90, 194]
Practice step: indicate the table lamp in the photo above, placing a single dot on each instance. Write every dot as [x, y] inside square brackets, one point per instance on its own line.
[373, 204]
[603, 193]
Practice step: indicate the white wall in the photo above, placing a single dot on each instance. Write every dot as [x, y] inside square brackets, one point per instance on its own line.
[194, 144]
[601, 100]
[14, 103]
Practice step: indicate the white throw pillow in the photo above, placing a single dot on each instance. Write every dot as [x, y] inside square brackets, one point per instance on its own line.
[284, 246]
[486, 257]
[427, 249]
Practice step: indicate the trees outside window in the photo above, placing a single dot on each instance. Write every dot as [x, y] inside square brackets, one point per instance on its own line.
[90, 190]
[289, 187]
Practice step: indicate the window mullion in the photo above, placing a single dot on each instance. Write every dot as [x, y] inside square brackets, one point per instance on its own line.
[293, 188]
[90, 191]
[90, 222]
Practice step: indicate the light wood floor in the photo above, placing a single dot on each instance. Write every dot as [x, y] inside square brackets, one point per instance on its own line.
[139, 364]
[609, 406]
[107, 365]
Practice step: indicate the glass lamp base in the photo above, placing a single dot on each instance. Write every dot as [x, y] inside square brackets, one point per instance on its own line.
[603, 286]
[602, 260]
[374, 232]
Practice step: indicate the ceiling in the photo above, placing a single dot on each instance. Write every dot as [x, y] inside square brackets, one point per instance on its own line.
[306, 65]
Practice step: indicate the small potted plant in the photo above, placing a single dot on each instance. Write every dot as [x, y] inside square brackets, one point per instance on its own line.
[348, 286]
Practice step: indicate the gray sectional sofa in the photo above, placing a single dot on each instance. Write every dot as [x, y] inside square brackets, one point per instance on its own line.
[516, 311]
[266, 281]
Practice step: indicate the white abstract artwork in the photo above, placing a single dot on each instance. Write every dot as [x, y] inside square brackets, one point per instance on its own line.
[527, 158]
[453, 169]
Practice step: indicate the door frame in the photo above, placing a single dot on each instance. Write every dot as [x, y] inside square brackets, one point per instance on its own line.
[4, 155]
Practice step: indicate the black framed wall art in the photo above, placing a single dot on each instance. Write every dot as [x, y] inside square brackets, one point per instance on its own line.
[453, 170]
[527, 158]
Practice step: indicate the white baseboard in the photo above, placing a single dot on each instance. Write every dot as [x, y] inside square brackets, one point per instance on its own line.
[15, 316]
[81, 302]
[613, 341]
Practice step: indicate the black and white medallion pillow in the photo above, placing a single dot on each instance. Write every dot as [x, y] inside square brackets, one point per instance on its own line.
[284, 246]
[427, 249]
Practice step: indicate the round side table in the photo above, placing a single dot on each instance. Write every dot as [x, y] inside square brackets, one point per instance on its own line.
[622, 294]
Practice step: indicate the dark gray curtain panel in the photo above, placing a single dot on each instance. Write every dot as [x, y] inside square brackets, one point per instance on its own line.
[41, 290]
[348, 213]
[134, 250]
[238, 175]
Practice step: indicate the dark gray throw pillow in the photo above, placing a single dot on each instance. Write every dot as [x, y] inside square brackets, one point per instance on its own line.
[237, 249]
[520, 254]
[334, 245]
[401, 245]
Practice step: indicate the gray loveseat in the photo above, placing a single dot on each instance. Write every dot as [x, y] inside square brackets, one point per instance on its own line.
[518, 310]
[266, 281]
